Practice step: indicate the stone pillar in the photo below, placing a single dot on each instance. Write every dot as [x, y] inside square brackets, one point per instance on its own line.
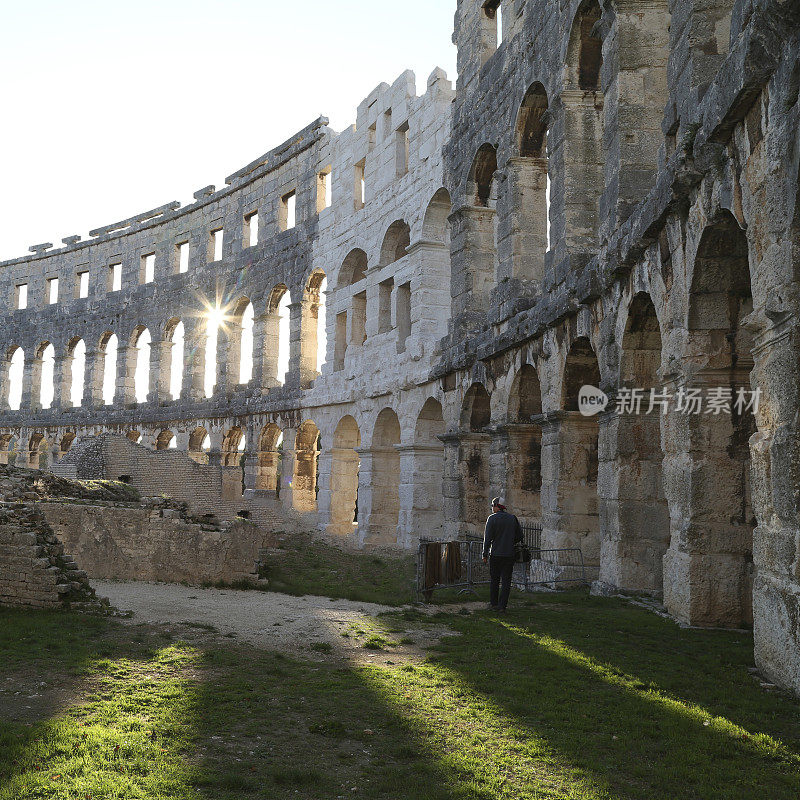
[527, 217]
[5, 384]
[421, 496]
[634, 515]
[31, 384]
[194, 362]
[309, 311]
[250, 473]
[95, 371]
[304, 480]
[160, 371]
[62, 379]
[293, 375]
[473, 257]
[516, 468]
[288, 467]
[125, 394]
[452, 486]
[708, 568]
[570, 503]
[267, 475]
[231, 368]
[343, 492]
[577, 144]
[269, 326]
[324, 466]
[365, 495]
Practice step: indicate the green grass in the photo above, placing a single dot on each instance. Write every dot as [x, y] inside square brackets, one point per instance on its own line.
[565, 697]
[307, 566]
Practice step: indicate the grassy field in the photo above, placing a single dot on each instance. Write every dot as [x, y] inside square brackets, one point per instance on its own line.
[566, 696]
[305, 565]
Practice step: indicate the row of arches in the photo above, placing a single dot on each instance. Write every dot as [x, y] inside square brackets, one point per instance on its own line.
[226, 336]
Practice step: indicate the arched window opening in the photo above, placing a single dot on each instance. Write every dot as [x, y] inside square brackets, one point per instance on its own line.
[396, 242]
[178, 339]
[141, 379]
[233, 445]
[304, 481]
[523, 446]
[473, 467]
[481, 181]
[134, 436]
[426, 482]
[246, 345]
[345, 464]
[109, 346]
[353, 269]
[268, 474]
[16, 370]
[436, 225]
[66, 442]
[199, 445]
[590, 48]
[166, 440]
[47, 360]
[77, 373]
[314, 338]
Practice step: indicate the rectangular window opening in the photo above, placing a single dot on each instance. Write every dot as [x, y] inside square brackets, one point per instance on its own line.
[493, 12]
[324, 190]
[289, 211]
[115, 277]
[387, 123]
[372, 136]
[341, 341]
[182, 257]
[148, 268]
[215, 244]
[358, 332]
[22, 296]
[251, 229]
[385, 289]
[82, 279]
[359, 185]
[401, 149]
[52, 291]
[403, 316]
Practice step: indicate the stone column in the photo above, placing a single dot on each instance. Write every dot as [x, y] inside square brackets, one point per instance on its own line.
[527, 217]
[309, 311]
[708, 568]
[473, 257]
[452, 486]
[125, 394]
[160, 371]
[194, 362]
[570, 503]
[95, 371]
[304, 480]
[272, 324]
[516, 467]
[31, 384]
[421, 479]
[324, 465]
[343, 490]
[634, 515]
[62, 369]
[293, 375]
[288, 467]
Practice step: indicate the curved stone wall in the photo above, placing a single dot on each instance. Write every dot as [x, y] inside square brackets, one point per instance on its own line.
[609, 197]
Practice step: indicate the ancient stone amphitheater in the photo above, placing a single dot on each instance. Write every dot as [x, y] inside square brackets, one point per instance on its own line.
[608, 197]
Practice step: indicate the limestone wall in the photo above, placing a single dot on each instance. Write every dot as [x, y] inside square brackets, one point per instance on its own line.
[156, 544]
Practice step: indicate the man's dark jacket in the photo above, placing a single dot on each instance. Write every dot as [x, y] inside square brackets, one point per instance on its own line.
[502, 532]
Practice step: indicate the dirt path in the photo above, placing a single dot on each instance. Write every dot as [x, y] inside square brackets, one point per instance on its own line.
[269, 620]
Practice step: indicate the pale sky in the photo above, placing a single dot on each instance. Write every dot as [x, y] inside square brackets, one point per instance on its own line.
[115, 108]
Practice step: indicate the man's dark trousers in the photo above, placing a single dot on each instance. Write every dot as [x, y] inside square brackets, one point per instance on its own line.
[500, 571]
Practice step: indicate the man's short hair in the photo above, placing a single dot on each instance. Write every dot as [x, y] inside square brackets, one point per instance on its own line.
[500, 502]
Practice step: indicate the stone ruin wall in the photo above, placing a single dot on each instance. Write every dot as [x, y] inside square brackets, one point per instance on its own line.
[610, 196]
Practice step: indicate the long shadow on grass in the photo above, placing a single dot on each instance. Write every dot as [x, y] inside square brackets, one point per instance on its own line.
[645, 726]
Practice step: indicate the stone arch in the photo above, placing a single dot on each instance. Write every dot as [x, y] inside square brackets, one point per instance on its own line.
[520, 440]
[305, 478]
[476, 409]
[395, 242]
[38, 455]
[239, 325]
[708, 569]
[345, 464]
[233, 443]
[134, 436]
[637, 533]
[277, 335]
[268, 473]
[529, 187]
[74, 377]
[353, 269]
[165, 440]
[313, 346]
[199, 445]
[424, 481]
[585, 48]
[436, 223]
[66, 443]
[7, 445]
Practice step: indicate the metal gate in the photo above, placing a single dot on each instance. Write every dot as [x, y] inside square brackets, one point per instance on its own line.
[458, 564]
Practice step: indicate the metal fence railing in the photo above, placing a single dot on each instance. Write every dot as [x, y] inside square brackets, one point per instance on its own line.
[459, 565]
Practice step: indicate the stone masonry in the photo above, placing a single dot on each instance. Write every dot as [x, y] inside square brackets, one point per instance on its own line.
[608, 196]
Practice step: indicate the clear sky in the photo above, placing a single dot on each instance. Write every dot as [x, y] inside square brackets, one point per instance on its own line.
[114, 108]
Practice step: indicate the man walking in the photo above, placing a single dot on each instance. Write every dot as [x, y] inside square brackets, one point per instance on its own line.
[502, 532]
